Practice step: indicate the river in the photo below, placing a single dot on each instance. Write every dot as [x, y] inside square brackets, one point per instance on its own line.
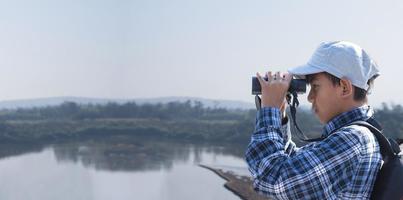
[117, 169]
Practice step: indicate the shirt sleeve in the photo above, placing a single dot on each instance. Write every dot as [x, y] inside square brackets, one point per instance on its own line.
[316, 171]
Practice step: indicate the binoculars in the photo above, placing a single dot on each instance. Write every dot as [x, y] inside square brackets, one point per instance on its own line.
[296, 85]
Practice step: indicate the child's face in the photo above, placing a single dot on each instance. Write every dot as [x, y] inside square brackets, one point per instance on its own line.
[324, 97]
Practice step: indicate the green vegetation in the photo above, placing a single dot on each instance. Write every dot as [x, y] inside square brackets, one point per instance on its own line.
[175, 120]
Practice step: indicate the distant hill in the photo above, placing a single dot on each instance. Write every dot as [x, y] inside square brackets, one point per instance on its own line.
[53, 101]
[212, 103]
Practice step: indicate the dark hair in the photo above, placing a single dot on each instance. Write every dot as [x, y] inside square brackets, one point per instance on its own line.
[359, 93]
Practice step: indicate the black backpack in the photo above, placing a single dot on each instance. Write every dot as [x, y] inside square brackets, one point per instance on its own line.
[389, 181]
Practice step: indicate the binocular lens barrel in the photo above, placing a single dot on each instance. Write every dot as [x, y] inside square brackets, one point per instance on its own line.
[297, 85]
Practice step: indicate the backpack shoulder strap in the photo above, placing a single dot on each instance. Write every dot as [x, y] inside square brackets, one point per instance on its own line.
[386, 147]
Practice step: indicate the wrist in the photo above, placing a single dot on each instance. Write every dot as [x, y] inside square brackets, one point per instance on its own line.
[270, 105]
[271, 102]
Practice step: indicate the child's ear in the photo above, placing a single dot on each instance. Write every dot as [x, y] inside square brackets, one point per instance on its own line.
[346, 87]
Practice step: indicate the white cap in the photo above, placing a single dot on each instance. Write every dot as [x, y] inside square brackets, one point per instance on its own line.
[341, 59]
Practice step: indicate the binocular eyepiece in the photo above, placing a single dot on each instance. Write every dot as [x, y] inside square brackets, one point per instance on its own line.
[296, 85]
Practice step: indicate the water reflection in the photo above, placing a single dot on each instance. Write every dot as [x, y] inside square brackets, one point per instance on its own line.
[118, 155]
[10, 150]
[116, 169]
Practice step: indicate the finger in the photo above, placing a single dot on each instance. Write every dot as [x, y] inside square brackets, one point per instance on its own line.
[282, 76]
[278, 76]
[269, 76]
[260, 79]
[287, 77]
[275, 76]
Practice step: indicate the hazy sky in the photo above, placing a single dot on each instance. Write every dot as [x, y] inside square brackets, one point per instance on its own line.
[205, 48]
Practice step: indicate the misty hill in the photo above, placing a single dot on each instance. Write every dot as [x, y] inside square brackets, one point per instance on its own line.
[54, 101]
[208, 103]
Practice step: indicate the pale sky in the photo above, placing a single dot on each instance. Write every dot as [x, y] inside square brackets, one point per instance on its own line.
[205, 48]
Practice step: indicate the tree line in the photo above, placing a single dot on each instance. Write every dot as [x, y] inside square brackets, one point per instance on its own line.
[169, 111]
[189, 120]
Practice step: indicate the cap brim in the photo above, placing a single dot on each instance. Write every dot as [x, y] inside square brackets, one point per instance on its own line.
[303, 70]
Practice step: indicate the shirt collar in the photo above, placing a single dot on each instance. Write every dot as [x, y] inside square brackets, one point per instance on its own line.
[360, 113]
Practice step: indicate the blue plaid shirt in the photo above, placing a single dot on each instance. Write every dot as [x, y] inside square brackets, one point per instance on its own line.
[342, 166]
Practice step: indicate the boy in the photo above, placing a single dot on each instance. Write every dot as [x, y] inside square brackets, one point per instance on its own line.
[345, 163]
